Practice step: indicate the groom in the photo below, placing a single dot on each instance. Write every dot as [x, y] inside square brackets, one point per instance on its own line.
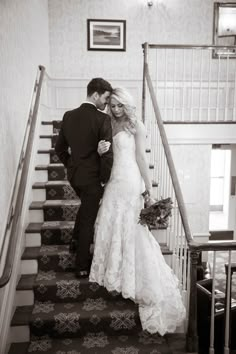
[81, 131]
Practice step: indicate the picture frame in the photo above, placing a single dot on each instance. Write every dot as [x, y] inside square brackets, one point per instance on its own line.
[107, 35]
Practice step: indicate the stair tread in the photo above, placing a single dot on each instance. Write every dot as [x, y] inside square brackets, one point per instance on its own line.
[50, 122]
[38, 226]
[139, 343]
[29, 281]
[57, 183]
[48, 250]
[40, 185]
[36, 205]
[60, 165]
[46, 151]
[26, 282]
[26, 314]
[55, 250]
[50, 165]
[47, 136]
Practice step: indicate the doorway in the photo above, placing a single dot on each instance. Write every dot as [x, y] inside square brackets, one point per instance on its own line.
[220, 188]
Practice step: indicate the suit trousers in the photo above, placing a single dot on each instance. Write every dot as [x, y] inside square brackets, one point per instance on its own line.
[83, 233]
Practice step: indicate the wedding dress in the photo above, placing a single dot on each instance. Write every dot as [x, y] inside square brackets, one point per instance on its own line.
[127, 258]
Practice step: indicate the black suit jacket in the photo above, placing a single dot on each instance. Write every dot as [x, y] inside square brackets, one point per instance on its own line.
[82, 129]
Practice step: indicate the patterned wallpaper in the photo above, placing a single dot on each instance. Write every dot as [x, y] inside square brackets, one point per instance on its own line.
[166, 22]
[24, 45]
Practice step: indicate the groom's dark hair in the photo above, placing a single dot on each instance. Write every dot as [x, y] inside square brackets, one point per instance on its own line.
[98, 85]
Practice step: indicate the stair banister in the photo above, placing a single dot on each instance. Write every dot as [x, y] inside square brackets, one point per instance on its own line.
[17, 198]
[170, 162]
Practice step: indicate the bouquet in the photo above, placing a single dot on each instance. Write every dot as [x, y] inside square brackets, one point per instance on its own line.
[156, 215]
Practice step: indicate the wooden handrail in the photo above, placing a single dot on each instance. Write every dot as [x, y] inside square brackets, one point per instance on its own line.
[194, 247]
[189, 46]
[18, 193]
[169, 159]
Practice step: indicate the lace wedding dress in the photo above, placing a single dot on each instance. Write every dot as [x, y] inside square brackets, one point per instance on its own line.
[127, 258]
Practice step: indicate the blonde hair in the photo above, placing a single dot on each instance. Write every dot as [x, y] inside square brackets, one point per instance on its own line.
[124, 97]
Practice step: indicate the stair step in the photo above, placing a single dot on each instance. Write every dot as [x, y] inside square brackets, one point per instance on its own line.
[57, 190]
[52, 232]
[56, 124]
[96, 343]
[59, 258]
[53, 138]
[61, 320]
[62, 287]
[60, 232]
[55, 210]
[57, 171]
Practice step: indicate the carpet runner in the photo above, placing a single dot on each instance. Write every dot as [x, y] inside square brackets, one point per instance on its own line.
[69, 315]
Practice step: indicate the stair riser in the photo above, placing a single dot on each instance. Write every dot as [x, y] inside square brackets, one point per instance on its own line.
[41, 176]
[60, 192]
[70, 324]
[49, 237]
[42, 159]
[46, 129]
[57, 174]
[56, 237]
[46, 143]
[69, 291]
[61, 262]
[67, 213]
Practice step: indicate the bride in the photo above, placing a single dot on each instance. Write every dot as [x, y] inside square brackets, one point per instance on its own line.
[126, 257]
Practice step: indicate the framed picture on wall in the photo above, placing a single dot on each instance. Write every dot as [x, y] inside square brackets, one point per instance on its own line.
[106, 34]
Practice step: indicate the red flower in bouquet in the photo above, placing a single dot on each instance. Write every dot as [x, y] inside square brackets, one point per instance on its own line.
[157, 214]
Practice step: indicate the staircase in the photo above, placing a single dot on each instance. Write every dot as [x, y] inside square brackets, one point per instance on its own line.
[56, 312]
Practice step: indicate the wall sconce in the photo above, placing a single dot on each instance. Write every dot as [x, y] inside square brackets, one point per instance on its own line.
[149, 3]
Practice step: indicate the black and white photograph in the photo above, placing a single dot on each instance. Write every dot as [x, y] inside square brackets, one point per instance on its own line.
[118, 177]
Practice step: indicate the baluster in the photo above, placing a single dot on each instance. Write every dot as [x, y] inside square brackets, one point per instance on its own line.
[212, 330]
[192, 337]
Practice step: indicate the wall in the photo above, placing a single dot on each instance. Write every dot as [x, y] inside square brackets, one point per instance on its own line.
[166, 22]
[24, 45]
[194, 180]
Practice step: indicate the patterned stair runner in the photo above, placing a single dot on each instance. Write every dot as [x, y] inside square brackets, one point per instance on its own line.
[69, 315]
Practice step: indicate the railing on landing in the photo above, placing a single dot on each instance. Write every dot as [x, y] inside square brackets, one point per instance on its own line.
[8, 249]
[185, 250]
[194, 83]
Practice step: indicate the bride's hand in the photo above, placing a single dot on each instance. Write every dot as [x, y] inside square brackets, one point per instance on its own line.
[103, 147]
[149, 201]
[148, 198]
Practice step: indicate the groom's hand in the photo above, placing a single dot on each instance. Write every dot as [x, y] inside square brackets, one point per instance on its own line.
[103, 147]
